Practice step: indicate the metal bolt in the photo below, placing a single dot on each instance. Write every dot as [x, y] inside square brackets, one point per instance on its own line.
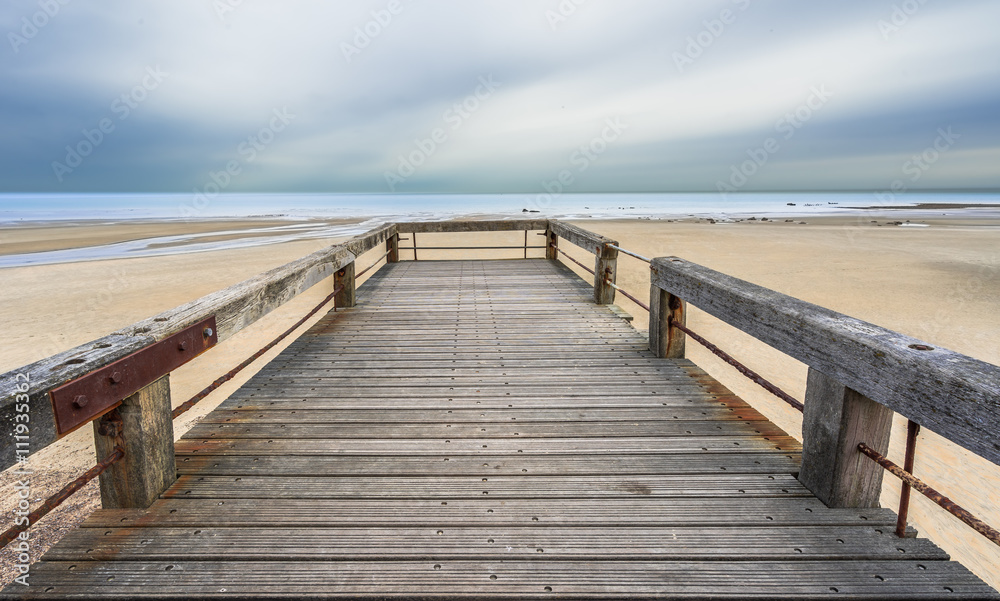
[921, 347]
[108, 428]
[115, 378]
[208, 332]
[182, 346]
[80, 401]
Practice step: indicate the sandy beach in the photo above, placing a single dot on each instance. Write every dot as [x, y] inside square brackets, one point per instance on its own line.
[936, 279]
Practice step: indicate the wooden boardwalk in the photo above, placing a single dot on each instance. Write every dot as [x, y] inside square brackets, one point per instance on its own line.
[481, 429]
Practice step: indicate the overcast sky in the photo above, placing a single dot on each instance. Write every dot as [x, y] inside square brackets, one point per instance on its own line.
[498, 95]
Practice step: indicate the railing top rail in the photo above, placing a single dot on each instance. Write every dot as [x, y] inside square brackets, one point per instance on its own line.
[486, 225]
[594, 243]
[235, 308]
[952, 394]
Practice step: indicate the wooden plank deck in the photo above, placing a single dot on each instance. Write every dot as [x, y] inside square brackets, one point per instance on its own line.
[481, 429]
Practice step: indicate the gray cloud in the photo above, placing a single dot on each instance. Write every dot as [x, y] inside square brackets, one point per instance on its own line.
[698, 88]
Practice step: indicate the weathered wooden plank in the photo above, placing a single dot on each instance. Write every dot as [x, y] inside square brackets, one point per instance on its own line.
[431, 374]
[247, 428]
[487, 446]
[562, 393]
[634, 511]
[330, 401]
[428, 578]
[536, 465]
[428, 227]
[952, 394]
[589, 241]
[509, 543]
[683, 414]
[504, 487]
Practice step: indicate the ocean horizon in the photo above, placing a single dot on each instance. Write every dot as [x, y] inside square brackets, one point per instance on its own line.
[34, 208]
[318, 216]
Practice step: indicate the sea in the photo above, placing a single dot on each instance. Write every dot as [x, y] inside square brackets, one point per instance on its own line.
[309, 215]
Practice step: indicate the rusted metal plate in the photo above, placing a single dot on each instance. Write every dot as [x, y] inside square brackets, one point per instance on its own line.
[88, 397]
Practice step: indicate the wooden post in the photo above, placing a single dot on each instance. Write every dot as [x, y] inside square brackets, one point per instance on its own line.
[392, 247]
[143, 426]
[413, 237]
[346, 297]
[836, 420]
[605, 268]
[551, 244]
[665, 340]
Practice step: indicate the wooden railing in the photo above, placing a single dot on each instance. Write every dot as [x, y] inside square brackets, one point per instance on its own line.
[859, 374]
[145, 422]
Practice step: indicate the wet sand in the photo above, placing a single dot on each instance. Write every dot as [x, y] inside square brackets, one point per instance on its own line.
[17, 239]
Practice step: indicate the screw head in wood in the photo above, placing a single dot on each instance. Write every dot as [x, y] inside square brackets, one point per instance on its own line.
[921, 347]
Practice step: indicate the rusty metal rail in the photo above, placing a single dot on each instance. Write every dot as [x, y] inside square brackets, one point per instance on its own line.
[369, 268]
[57, 499]
[188, 404]
[743, 369]
[944, 502]
[587, 269]
[627, 295]
[629, 253]
[478, 247]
